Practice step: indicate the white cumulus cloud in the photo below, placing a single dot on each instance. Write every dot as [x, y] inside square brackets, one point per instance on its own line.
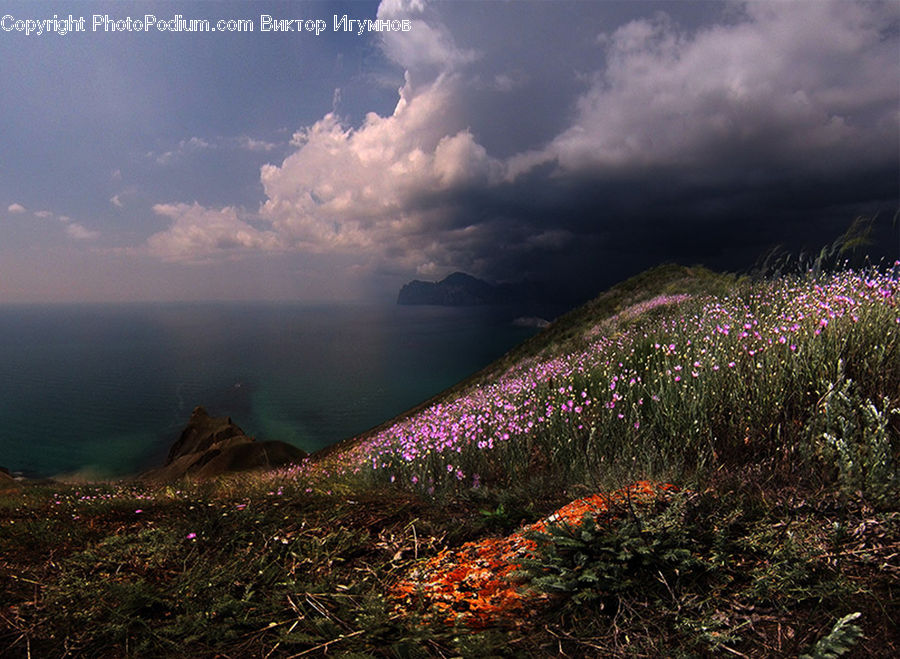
[251, 144]
[799, 87]
[772, 87]
[197, 233]
[363, 188]
[80, 232]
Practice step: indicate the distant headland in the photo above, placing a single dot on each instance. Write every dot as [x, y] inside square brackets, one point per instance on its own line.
[462, 290]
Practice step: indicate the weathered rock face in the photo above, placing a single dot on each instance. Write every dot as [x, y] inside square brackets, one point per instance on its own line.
[211, 446]
[245, 457]
[204, 432]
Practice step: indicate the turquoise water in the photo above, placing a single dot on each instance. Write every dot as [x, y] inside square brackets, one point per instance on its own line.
[105, 390]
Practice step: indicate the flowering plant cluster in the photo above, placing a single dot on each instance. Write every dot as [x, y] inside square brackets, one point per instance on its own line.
[638, 379]
[481, 584]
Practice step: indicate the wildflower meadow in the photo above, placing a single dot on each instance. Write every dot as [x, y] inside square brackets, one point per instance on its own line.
[691, 464]
[669, 387]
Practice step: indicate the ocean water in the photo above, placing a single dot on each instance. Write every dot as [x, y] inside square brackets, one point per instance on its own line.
[104, 390]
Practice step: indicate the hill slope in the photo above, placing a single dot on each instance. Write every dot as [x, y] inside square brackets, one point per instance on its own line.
[690, 464]
[568, 331]
[669, 381]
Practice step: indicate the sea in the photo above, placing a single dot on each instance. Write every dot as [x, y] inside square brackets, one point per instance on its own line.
[102, 391]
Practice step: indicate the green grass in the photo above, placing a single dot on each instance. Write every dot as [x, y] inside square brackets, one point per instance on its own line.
[787, 524]
[671, 388]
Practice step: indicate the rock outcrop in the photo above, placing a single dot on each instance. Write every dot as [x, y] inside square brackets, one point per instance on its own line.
[211, 446]
[456, 290]
[204, 433]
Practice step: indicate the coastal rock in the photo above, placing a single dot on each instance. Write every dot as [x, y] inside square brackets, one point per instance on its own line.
[211, 446]
[246, 457]
[203, 433]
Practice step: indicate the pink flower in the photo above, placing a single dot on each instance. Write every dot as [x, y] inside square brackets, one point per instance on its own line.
[190, 536]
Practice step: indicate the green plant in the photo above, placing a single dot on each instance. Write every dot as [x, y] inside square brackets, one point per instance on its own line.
[840, 640]
[855, 438]
[623, 551]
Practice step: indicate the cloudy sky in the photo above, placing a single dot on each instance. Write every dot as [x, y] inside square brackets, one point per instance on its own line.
[567, 142]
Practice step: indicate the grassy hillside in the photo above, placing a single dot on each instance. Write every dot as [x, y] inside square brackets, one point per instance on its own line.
[690, 464]
[565, 333]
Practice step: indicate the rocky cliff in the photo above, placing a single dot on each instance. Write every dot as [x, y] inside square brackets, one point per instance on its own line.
[210, 446]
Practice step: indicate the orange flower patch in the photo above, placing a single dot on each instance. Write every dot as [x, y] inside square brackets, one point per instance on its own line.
[476, 585]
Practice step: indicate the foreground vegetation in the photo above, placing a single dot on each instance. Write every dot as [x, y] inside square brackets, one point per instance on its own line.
[690, 465]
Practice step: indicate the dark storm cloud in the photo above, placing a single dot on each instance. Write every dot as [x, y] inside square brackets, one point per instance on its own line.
[593, 146]
[611, 228]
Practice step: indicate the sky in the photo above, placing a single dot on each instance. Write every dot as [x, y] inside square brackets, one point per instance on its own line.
[571, 143]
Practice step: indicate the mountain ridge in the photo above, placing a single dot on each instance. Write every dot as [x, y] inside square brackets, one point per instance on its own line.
[459, 289]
